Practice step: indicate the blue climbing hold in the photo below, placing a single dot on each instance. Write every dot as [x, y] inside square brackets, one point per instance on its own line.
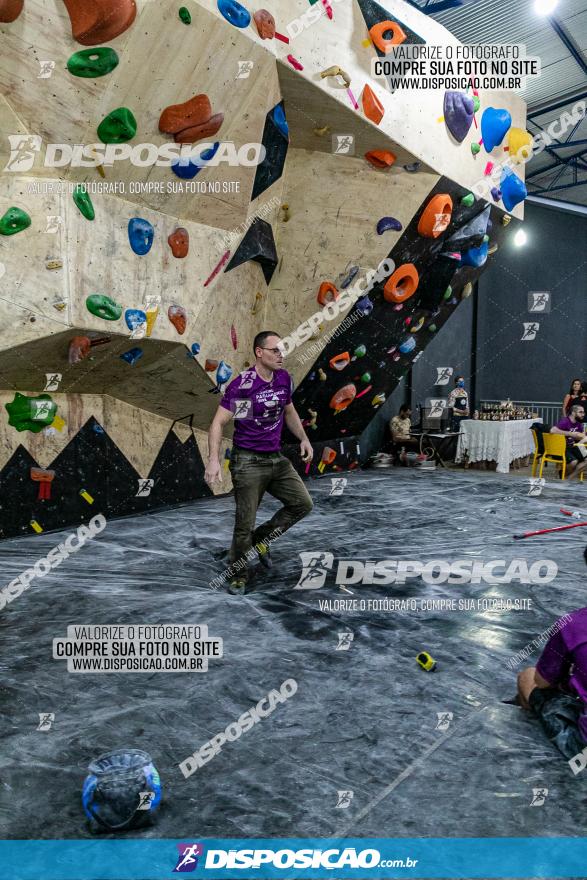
[223, 374]
[280, 120]
[476, 257]
[134, 318]
[98, 429]
[495, 124]
[364, 306]
[349, 277]
[513, 190]
[186, 167]
[234, 13]
[495, 193]
[408, 346]
[459, 111]
[388, 223]
[140, 235]
[196, 348]
[132, 356]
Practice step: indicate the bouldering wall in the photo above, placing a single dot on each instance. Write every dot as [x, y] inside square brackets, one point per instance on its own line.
[131, 290]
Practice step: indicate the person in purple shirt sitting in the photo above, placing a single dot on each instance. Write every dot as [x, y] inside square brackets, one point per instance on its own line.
[556, 688]
[259, 401]
[573, 429]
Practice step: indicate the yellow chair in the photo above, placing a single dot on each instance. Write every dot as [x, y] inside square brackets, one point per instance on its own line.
[537, 453]
[555, 448]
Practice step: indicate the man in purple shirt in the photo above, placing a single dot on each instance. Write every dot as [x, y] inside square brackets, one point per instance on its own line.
[573, 429]
[556, 688]
[259, 400]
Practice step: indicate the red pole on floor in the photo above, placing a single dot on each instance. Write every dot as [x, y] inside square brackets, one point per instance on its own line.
[547, 531]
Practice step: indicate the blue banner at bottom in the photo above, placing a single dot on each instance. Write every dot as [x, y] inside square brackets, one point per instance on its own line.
[292, 858]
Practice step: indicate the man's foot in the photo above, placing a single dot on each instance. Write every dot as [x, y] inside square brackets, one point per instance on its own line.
[264, 554]
[237, 586]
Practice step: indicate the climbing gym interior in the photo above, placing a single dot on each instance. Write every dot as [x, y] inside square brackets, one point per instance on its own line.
[330, 255]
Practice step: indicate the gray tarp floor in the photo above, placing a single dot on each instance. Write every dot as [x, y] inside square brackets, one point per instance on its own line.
[363, 720]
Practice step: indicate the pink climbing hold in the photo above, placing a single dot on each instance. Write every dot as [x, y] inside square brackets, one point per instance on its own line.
[233, 337]
[295, 63]
[488, 169]
[215, 272]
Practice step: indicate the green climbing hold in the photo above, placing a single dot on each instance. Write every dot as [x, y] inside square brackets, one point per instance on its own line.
[13, 221]
[476, 104]
[92, 63]
[31, 413]
[360, 351]
[103, 307]
[118, 127]
[366, 378]
[433, 328]
[185, 16]
[448, 292]
[485, 238]
[475, 148]
[468, 200]
[83, 201]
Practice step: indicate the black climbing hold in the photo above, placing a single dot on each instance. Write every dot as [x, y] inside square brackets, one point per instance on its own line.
[276, 143]
[258, 244]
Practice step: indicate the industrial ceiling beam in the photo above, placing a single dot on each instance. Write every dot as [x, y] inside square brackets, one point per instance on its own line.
[568, 41]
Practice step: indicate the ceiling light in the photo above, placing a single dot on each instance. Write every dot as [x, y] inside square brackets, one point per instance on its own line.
[520, 238]
[545, 7]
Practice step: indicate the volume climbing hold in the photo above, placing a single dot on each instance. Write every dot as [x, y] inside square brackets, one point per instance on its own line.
[117, 127]
[402, 284]
[234, 13]
[134, 318]
[103, 307]
[383, 43]
[140, 235]
[380, 158]
[10, 10]
[178, 317]
[343, 398]
[99, 21]
[340, 361]
[191, 121]
[265, 24]
[520, 145]
[13, 221]
[31, 413]
[185, 15]
[476, 257]
[459, 111]
[179, 242]
[372, 106]
[82, 200]
[436, 216]
[327, 293]
[513, 189]
[132, 355]
[93, 63]
[495, 124]
[388, 223]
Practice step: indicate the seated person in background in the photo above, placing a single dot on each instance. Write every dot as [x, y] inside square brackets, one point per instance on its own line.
[556, 688]
[458, 401]
[570, 399]
[573, 429]
[400, 427]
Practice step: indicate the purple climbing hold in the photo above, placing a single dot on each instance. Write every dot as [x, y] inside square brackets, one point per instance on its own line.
[388, 223]
[459, 111]
[496, 193]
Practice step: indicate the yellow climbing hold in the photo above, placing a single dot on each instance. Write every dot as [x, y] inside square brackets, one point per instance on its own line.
[86, 496]
[38, 529]
[520, 145]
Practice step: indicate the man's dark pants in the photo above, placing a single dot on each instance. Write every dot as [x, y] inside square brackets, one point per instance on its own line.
[253, 474]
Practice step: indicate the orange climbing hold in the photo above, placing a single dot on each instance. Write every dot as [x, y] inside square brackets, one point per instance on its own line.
[372, 106]
[380, 158]
[340, 361]
[210, 366]
[10, 10]
[436, 216]
[343, 398]
[191, 121]
[327, 293]
[402, 284]
[328, 455]
[99, 21]
[383, 43]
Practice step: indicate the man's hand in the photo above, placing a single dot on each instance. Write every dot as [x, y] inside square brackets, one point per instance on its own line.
[306, 450]
[212, 474]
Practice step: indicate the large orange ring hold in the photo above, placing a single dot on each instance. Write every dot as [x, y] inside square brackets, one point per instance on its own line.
[327, 293]
[378, 31]
[343, 398]
[402, 284]
[436, 216]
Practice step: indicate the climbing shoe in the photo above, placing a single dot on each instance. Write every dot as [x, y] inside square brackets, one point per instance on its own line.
[264, 554]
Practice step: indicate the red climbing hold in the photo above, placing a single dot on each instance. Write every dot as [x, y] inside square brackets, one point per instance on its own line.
[191, 121]
[265, 24]
[179, 242]
[10, 9]
[99, 21]
[233, 337]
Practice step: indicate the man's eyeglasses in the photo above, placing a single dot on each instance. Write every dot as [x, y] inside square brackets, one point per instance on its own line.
[273, 350]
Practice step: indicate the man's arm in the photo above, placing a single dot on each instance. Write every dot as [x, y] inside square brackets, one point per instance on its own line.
[293, 422]
[576, 435]
[222, 417]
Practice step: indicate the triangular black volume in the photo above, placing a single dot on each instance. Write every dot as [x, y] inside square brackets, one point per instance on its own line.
[276, 144]
[373, 14]
[258, 244]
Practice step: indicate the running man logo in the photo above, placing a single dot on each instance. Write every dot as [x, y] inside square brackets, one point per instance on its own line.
[315, 567]
[539, 301]
[539, 796]
[145, 487]
[53, 380]
[437, 408]
[188, 857]
[443, 375]
[345, 640]
[242, 409]
[23, 150]
[344, 799]
[343, 144]
[145, 800]
[47, 68]
[444, 719]
[244, 69]
[530, 332]
[53, 224]
[46, 719]
[338, 485]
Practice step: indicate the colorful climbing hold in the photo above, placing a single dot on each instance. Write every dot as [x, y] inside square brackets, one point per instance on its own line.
[31, 413]
[191, 121]
[520, 145]
[140, 235]
[343, 398]
[179, 242]
[151, 313]
[82, 200]
[513, 189]
[468, 201]
[265, 24]
[364, 306]
[223, 374]
[448, 292]
[186, 167]
[432, 327]
[506, 220]
[402, 284]
[322, 375]
[418, 325]
[458, 114]
[93, 63]
[10, 10]
[379, 399]
[359, 352]
[495, 124]
[475, 149]
[78, 349]
[195, 349]
[234, 13]
[117, 127]
[475, 257]
[101, 20]
[372, 106]
[365, 378]
[378, 35]
[436, 216]
[387, 223]
[488, 169]
[476, 103]
[408, 346]
[233, 337]
[412, 167]
[135, 318]
[295, 63]
[185, 15]
[495, 193]
[327, 293]
[178, 317]
[210, 366]
[380, 158]
[103, 307]
[340, 361]
[467, 290]
[132, 355]
[278, 116]
[13, 221]
[348, 278]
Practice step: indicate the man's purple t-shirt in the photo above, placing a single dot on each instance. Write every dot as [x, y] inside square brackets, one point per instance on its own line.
[564, 659]
[258, 408]
[567, 425]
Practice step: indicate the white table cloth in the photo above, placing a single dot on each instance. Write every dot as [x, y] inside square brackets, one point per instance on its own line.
[495, 441]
